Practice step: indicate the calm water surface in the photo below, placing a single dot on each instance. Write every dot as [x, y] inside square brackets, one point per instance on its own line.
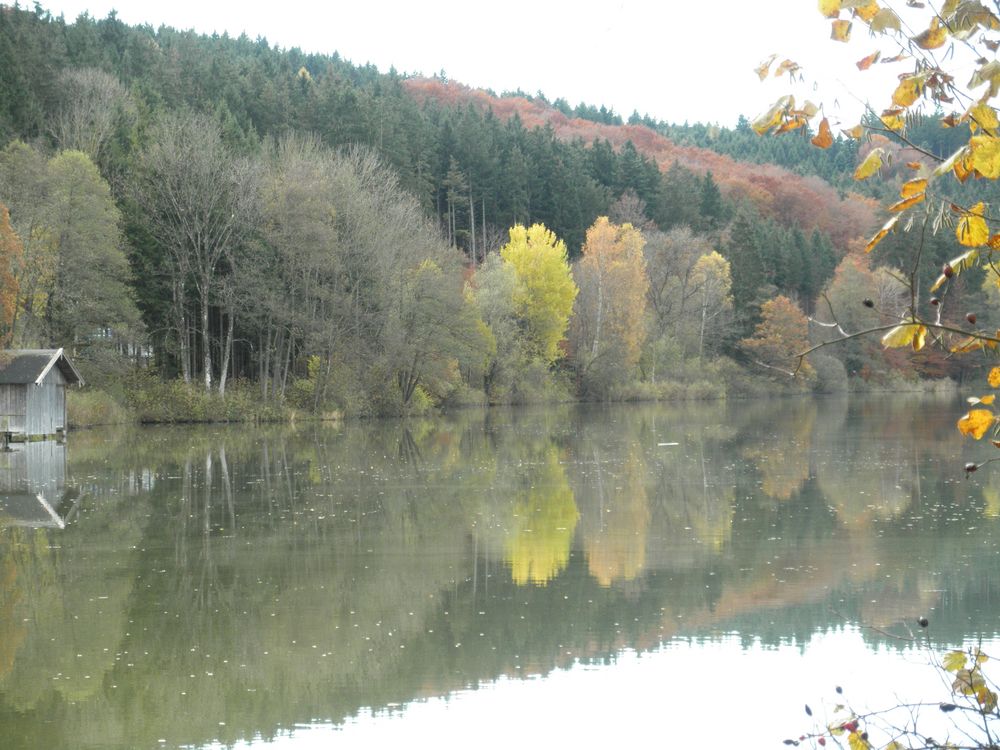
[587, 575]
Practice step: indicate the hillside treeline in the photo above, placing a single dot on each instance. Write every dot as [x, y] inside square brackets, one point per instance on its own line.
[216, 208]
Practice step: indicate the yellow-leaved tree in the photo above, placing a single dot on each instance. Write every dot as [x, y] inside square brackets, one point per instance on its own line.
[713, 283]
[782, 333]
[948, 68]
[544, 291]
[607, 329]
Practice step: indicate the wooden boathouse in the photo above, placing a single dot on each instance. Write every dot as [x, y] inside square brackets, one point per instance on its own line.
[33, 392]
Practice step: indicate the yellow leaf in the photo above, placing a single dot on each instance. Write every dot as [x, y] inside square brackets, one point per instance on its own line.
[773, 117]
[791, 123]
[867, 11]
[953, 661]
[988, 73]
[907, 202]
[987, 400]
[824, 138]
[983, 116]
[884, 20]
[912, 187]
[967, 681]
[871, 165]
[787, 66]
[901, 335]
[866, 62]
[971, 344]
[994, 378]
[829, 8]
[856, 132]
[985, 151]
[919, 338]
[972, 229]
[968, 17]
[933, 37]
[908, 91]
[880, 234]
[893, 119]
[976, 423]
[840, 31]
[809, 109]
[964, 168]
[855, 741]
[949, 164]
[764, 68]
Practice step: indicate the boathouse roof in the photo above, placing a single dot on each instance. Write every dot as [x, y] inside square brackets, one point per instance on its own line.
[30, 366]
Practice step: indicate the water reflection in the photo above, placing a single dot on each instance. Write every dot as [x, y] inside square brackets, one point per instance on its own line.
[541, 520]
[33, 485]
[249, 580]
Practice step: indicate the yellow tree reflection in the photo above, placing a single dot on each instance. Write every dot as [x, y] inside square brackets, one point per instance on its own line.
[783, 458]
[545, 515]
[615, 538]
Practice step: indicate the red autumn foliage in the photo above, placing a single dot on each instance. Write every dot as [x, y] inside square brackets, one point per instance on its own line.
[794, 200]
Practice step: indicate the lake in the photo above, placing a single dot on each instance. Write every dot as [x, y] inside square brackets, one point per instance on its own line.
[666, 574]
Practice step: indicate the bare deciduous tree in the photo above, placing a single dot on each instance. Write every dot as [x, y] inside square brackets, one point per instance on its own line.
[91, 104]
[201, 202]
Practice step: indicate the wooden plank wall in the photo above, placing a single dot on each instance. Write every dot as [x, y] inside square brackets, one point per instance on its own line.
[13, 406]
[47, 405]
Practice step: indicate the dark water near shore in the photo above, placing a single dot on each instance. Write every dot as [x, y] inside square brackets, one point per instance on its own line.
[583, 574]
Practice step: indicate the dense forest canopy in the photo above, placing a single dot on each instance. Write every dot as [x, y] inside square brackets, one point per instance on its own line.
[340, 236]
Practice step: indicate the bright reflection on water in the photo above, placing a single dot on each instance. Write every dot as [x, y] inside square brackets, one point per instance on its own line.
[588, 574]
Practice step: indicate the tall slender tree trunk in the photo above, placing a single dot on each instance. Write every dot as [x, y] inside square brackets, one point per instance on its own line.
[264, 359]
[600, 310]
[472, 224]
[287, 366]
[701, 332]
[206, 342]
[227, 350]
[180, 322]
[277, 350]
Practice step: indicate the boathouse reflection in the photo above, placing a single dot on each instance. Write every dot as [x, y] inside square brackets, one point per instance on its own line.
[33, 489]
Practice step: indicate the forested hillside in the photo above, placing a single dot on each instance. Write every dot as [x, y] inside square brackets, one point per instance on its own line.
[217, 208]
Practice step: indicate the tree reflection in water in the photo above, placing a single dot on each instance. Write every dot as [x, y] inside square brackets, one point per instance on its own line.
[266, 577]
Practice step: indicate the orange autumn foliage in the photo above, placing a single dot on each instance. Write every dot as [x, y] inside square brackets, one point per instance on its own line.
[807, 202]
[11, 258]
[780, 337]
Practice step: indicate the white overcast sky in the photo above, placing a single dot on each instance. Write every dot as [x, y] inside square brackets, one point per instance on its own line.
[677, 61]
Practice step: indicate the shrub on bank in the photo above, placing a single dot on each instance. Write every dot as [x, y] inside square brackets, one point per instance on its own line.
[90, 407]
[896, 382]
[155, 401]
[698, 390]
